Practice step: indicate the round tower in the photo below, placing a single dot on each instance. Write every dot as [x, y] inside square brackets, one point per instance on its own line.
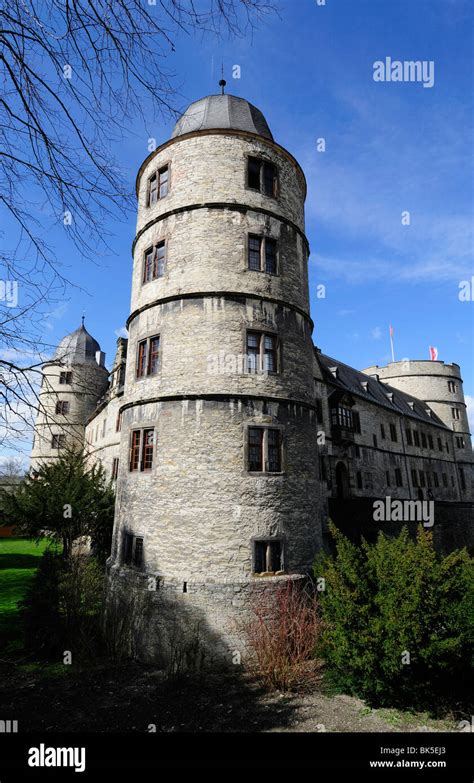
[217, 493]
[73, 381]
[439, 385]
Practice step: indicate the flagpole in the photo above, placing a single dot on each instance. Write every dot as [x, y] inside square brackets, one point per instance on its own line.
[391, 342]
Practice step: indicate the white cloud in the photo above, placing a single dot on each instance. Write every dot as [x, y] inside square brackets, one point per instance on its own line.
[376, 333]
[122, 332]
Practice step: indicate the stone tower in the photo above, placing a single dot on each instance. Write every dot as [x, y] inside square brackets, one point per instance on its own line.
[218, 493]
[72, 383]
[439, 385]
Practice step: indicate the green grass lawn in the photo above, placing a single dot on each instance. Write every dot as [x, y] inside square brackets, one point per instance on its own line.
[19, 559]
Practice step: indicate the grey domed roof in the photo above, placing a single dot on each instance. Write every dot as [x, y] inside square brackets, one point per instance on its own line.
[223, 112]
[79, 347]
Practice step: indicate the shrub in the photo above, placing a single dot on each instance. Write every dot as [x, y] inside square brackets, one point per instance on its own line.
[61, 609]
[397, 618]
[282, 635]
[42, 627]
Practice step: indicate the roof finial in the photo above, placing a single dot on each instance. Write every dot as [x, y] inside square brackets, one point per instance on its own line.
[83, 318]
[222, 82]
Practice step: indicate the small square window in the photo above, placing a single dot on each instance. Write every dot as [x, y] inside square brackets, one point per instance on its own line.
[62, 407]
[65, 377]
[268, 556]
[262, 176]
[58, 441]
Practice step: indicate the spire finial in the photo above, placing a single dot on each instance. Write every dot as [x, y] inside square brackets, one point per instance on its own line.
[222, 82]
[83, 318]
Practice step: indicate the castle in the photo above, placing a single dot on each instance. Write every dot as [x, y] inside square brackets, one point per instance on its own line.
[230, 436]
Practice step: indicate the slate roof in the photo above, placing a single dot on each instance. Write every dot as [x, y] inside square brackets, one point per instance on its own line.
[79, 347]
[222, 112]
[376, 391]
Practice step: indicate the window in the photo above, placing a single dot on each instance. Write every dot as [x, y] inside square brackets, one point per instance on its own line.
[387, 477]
[451, 386]
[359, 479]
[440, 445]
[262, 176]
[115, 464]
[374, 438]
[447, 447]
[342, 417]
[414, 477]
[463, 480]
[65, 377]
[356, 451]
[322, 468]
[398, 477]
[262, 254]
[58, 441]
[319, 410]
[148, 357]
[382, 432]
[118, 422]
[430, 441]
[455, 413]
[421, 474]
[393, 432]
[356, 421]
[409, 437]
[154, 262]
[264, 450]
[445, 479]
[132, 550]
[268, 557]
[158, 185]
[460, 443]
[141, 450]
[423, 440]
[62, 407]
[416, 437]
[262, 352]
[435, 479]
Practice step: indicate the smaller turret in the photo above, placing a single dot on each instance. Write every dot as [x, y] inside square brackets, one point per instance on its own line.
[73, 381]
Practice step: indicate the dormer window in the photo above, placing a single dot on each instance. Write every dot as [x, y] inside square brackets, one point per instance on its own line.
[262, 176]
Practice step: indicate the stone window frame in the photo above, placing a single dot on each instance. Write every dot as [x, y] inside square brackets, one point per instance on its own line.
[147, 338]
[63, 407]
[155, 173]
[263, 236]
[58, 440]
[264, 332]
[135, 536]
[262, 539]
[153, 247]
[263, 159]
[264, 426]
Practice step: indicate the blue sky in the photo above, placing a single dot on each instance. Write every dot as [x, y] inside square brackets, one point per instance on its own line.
[390, 147]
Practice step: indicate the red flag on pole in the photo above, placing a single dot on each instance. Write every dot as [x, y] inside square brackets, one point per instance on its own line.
[433, 353]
